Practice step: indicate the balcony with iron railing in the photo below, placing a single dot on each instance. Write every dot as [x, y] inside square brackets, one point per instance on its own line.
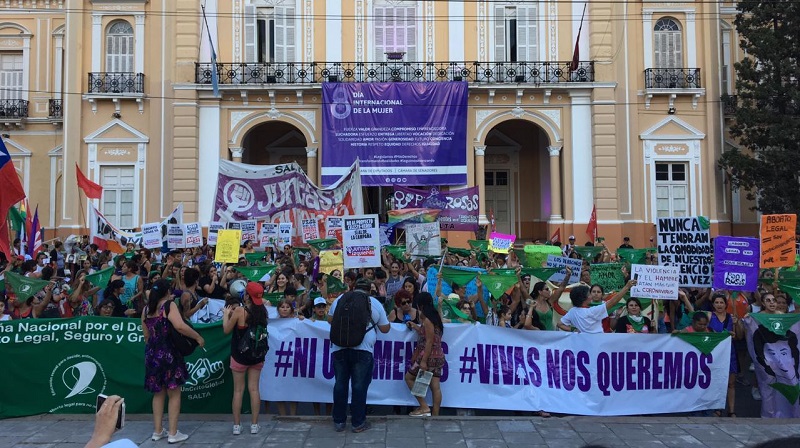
[54, 109]
[13, 112]
[729, 105]
[533, 73]
[672, 82]
[115, 86]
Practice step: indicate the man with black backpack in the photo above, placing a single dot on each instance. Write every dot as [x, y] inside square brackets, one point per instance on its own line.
[355, 319]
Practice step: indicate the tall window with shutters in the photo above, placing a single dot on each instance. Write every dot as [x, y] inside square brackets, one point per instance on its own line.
[118, 194]
[672, 190]
[395, 29]
[516, 35]
[270, 34]
[11, 75]
[668, 44]
[119, 47]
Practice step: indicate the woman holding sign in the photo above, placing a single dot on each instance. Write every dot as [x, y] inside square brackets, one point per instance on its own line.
[720, 321]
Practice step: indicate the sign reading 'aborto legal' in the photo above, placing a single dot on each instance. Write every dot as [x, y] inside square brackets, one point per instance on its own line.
[686, 243]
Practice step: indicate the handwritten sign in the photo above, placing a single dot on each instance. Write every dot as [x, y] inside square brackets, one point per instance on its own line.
[562, 262]
[423, 239]
[193, 234]
[736, 263]
[175, 238]
[655, 282]
[310, 229]
[777, 240]
[500, 242]
[213, 228]
[228, 246]
[151, 235]
[686, 243]
[608, 275]
[536, 254]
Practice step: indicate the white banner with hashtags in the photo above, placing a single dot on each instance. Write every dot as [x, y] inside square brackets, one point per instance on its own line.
[497, 368]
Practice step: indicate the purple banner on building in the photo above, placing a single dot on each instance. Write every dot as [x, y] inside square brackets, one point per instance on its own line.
[459, 207]
[414, 133]
[736, 262]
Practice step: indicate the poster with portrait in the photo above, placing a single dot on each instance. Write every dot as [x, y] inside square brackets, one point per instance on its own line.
[772, 340]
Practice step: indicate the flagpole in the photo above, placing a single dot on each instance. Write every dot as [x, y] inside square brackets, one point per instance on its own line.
[214, 74]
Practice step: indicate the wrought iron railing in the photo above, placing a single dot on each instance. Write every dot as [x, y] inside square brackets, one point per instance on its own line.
[116, 83]
[729, 104]
[54, 109]
[672, 78]
[318, 72]
[14, 109]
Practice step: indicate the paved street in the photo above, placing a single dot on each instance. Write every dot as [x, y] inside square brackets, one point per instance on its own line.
[72, 431]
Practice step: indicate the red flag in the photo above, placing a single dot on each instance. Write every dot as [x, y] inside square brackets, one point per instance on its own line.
[576, 54]
[91, 189]
[10, 193]
[556, 238]
[591, 229]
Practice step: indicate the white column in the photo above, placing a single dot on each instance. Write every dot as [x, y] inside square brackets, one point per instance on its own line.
[582, 161]
[647, 38]
[456, 31]
[480, 180]
[53, 176]
[333, 26]
[26, 66]
[208, 159]
[555, 183]
[138, 38]
[691, 38]
[59, 56]
[311, 163]
[97, 42]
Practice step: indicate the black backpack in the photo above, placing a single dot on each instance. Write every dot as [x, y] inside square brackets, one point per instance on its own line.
[254, 344]
[351, 317]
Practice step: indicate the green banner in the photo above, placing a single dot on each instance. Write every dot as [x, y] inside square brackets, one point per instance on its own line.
[459, 251]
[65, 363]
[255, 257]
[457, 276]
[634, 256]
[543, 274]
[705, 342]
[24, 287]
[608, 275]
[274, 298]
[334, 285]
[588, 252]
[255, 273]
[397, 252]
[101, 277]
[776, 323]
[323, 243]
[497, 284]
[792, 288]
[481, 245]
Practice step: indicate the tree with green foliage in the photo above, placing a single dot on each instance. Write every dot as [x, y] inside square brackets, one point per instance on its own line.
[767, 122]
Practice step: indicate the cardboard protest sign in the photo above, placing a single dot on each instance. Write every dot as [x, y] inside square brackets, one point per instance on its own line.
[361, 240]
[424, 239]
[192, 234]
[151, 235]
[573, 263]
[310, 229]
[175, 238]
[608, 275]
[333, 227]
[284, 235]
[269, 234]
[228, 246]
[213, 228]
[736, 263]
[500, 242]
[686, 243]
[537, 254]
[777, 240]
[655, 282]
[249, 232]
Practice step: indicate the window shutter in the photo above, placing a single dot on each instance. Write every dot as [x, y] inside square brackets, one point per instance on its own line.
[11, 76]
[527, 35]
[660, 49]
[379, 32]
[500, 34]
[250, 34]
[284, 34]
[677, 57]
[390, 38]
[410, 27]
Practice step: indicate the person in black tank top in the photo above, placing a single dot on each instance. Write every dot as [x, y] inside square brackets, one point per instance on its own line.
[404, 311]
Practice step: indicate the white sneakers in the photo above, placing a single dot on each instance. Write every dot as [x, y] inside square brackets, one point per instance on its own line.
[254, 428]
[237, 429]
[159, 435]
[177, 437]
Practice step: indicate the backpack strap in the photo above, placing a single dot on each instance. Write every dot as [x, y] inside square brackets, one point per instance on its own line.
[369, 307]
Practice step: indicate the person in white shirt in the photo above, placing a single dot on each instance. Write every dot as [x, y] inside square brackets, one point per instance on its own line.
[585, 319]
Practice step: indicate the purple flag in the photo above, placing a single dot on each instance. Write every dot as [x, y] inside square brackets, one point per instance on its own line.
[414, 133]
[736, 262]
[459, 207]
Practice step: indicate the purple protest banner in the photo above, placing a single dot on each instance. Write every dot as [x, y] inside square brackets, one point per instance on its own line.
[736, 263]
[413, 133]
[459, 207]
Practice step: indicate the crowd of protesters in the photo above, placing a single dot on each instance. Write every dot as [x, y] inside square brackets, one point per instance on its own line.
[144, 280]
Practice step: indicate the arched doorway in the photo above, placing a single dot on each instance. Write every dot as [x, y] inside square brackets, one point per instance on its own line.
[274, 143]
[517, 178]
